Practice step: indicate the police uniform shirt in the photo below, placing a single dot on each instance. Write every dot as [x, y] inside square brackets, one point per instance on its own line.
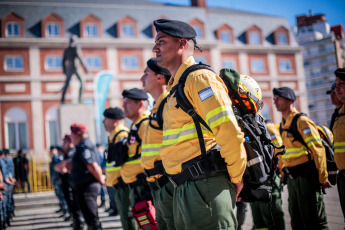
[152, 141]
[112, 173]
[209, 97]
[297, 153]
[86, 153]
[9, 165]
[339, 140]
[131, 169]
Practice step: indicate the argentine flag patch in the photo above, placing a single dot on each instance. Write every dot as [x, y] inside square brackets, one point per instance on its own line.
[205, 93]
[306, 131]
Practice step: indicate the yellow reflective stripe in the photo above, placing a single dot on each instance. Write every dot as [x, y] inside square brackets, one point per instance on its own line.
[312, 141]
[142, 218]
[339, 147]
[144, 222]
[262, 228]
[111, 168]
[219, 115]
[150, 149]
[295, 152]
[137, 161]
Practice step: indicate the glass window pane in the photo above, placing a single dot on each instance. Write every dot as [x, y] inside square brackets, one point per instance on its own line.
[225, 36]
[198, 31]
[229, 64]
[285, 66]
[257, 66]
[53, 137]
[19, 63]
[282, 39]
[11, 135]
[200, 59]
[254, 37]
[22, 134]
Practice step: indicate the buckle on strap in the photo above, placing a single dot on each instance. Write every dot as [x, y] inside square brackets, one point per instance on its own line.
[193, 169]
[172, 181]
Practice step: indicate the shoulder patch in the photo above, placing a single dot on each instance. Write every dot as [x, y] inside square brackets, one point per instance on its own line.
[306, 131]
[273, 136]
[205, 93]
[86, 154]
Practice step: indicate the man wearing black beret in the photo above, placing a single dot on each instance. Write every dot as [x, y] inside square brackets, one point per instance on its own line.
[181, 150]
[155, 80]
[114, 125]
[307, 169]
[339, 135]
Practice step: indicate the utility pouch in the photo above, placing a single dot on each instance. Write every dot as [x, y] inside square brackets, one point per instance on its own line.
[144, 214]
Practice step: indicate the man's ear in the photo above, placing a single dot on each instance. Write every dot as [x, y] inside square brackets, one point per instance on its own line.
[183, 43]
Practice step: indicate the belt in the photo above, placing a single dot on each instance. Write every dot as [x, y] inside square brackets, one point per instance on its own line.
[159, 183]
[341, 173]
[157, 169]
[200, 167]
[120, 184]
[304, 169]
[141, 180]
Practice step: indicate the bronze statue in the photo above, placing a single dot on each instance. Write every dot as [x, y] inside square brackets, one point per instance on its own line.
[71, 53]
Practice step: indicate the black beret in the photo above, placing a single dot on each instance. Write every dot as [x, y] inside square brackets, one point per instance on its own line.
[331, 90]
[285, 92]
[340, 72]
[1, 153]
[135, 94]
[175, 28]
[152, 64]
[6, 151]
[114, 113]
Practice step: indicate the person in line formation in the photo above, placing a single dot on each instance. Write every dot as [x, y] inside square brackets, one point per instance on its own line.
[339, 136]
[306, 167]
[336, 102]
[117, 190]
[102, 163]
[86, 175]
[205, 201]
[155, 80]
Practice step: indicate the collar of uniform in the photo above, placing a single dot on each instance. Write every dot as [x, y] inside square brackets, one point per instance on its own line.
[342, 109]
[142, 116]
[288, 121]
[159, 100]
[116, 130]
[174, 80]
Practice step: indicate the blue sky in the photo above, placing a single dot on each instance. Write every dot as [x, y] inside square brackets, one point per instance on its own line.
[289, 9]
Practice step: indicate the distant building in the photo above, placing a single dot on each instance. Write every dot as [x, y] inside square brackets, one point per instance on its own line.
[119, 36]
[324, 52]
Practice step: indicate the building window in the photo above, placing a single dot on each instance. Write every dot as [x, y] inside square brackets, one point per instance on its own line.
[130, 62]
[282, 39]
[16, 125]
[94, 62]
[198, 31]
[257, 66]
[52, 126]
[53, 63]
[14, 63]
[285, 66]
[254, 37]
[200, 59]
[91, 30]
[53, 29]
[229, 64]
[128, 31]
[12, 29]
[266, 111]
[225, 36]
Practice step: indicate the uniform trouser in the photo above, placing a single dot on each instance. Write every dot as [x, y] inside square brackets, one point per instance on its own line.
[4, 203]
[341, 190]
[9, 205]
[60, 195]
[306, 206]
[102, 193]
[269, 215]
[66, 189]
[241, 213]
[76, 212]
[124, 208]
[205, 204]
[87, 200]
[163, 201]
[111, 194]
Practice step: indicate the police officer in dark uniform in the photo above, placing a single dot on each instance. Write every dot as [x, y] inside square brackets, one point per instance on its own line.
[86, 175]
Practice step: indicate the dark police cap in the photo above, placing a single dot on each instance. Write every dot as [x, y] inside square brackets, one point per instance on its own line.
[6, 151]
[1, 153]
[175, 28]
[153, 65]
[114, 113]
[135, 94]
[285, 92]
[340, 72]
[331, 90]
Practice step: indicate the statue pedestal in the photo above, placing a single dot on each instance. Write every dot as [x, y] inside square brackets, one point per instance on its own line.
[80, 113]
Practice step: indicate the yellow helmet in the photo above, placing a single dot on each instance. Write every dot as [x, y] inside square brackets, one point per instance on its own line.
[250, 92]
[326, 134]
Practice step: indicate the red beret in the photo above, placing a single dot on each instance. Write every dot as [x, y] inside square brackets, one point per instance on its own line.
[67, 137]
[78, 128]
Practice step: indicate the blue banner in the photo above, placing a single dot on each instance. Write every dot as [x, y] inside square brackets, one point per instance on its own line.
[101, 83]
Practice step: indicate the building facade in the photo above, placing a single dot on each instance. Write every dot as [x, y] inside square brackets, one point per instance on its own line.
[119, 36]
[324, 52]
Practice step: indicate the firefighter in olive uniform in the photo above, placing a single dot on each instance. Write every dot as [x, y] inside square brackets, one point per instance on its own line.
[114, 124]
[270, 215]
[204, 196]
[154, 81]
[339, 136]
[307, 169]
[132, 173]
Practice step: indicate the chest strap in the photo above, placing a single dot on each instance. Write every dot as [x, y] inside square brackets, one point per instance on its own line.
[157, 169]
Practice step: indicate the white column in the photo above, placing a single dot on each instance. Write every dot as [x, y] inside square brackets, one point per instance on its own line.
[303, 95]
[274, 80]
[243, 63]
[36, 103]
[114, 89]
[216, 61]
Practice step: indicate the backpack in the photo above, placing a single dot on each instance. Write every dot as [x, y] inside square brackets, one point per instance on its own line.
[261, 164]
[118, 152]
[326, 142]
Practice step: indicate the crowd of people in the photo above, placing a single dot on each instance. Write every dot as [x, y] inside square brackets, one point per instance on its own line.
[163, 160]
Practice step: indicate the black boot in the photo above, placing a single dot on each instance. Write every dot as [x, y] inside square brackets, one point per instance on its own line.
[95, 226]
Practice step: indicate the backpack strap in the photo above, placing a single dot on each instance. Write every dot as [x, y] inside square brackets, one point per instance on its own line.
[135, 134]
[114, 138]
[186, 106]
[158, 117]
